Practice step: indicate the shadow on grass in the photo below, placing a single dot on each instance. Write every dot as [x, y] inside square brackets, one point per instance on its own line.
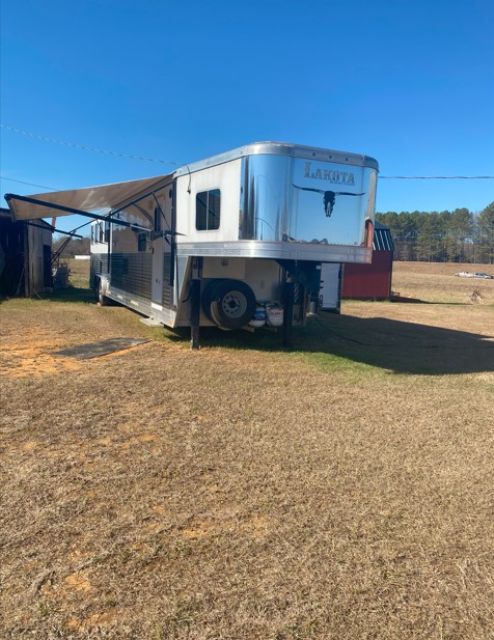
[331, 339]
[401, 347]
[71, 294]
[419, 301]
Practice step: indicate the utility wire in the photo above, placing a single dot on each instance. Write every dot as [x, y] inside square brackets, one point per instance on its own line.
[436, 177]
[83, 147]
[29, 184]
[44, 186]
[129, 156]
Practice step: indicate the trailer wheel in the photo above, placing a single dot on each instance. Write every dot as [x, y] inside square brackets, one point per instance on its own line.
[230, 304]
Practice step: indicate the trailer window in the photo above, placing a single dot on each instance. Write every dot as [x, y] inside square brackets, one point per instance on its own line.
[208, 204]
[107, 232]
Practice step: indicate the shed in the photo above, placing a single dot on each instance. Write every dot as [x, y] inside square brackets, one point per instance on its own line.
[25, 256]
[371, 281]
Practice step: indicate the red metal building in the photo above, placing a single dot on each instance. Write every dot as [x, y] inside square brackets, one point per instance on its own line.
[371, 281]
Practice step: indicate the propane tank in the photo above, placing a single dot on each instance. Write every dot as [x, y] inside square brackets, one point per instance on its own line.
[274, 314]
[259, 319]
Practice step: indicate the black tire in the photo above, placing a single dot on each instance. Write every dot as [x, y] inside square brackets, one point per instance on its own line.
[230, 304]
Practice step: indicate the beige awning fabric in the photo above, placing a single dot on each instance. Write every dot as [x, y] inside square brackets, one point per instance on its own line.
[99, 200]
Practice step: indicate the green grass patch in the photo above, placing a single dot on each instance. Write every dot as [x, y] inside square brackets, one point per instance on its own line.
[72, 294]
[331, 363]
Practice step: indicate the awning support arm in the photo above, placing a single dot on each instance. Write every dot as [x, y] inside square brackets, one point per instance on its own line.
[128, 203]
[60, 207]
[54, 230]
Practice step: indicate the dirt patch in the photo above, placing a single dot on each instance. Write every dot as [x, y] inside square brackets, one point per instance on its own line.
[33, 351]
[102, 621]
[32, 354]
[78, 582]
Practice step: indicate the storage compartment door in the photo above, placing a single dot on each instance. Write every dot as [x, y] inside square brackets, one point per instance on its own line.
[330, 291]
[157, 248]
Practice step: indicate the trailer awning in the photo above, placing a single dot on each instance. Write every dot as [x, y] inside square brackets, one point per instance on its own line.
[96, 200]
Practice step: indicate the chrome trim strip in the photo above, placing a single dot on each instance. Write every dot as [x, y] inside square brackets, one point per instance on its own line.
[277, 251]
[280, 149]
[165, 316]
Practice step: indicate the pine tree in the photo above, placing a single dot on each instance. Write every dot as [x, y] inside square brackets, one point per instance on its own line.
[486, 234]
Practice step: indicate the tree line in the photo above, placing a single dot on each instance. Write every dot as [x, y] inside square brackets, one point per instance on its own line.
[75, 247]
[442, 236]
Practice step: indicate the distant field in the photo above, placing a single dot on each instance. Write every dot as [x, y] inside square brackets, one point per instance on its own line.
[342, 490]
[79, 272]
[436, 282]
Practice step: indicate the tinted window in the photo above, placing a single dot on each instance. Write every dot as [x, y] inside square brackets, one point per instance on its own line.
[208, 204]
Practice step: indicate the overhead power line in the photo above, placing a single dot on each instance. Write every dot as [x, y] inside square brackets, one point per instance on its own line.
[29, 184]
[44, 186]
[84, 147]
[130, 156]
[436, 177]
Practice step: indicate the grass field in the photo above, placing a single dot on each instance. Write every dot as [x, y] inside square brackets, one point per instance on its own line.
[435, 282]
[342, 490]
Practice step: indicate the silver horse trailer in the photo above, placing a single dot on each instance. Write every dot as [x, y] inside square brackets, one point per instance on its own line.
[234, 241]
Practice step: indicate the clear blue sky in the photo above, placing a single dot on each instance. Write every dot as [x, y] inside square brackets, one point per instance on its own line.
[408, 82]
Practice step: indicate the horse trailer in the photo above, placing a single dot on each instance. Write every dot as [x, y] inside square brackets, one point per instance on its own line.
[233, 241]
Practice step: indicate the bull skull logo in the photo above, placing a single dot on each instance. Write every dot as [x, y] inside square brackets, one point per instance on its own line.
[329, 197]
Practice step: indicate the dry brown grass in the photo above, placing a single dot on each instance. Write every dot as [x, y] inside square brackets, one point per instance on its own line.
[79, 271]
[341, 491]
[436, 282]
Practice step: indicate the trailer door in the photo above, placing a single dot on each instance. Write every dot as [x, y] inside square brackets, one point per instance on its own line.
[157, 250]
[157, 243]
[162, 249]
